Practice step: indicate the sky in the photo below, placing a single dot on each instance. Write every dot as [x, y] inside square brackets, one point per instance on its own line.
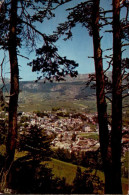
[79, 48]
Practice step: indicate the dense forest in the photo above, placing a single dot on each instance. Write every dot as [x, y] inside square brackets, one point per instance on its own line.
[24, 161]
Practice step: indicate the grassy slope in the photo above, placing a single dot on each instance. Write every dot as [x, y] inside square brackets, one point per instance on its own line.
[37, 102]
[63, 169]
[93, 135]
[67, 170]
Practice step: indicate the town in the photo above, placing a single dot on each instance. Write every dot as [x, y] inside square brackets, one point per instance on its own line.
[69, 131]
[76, 132]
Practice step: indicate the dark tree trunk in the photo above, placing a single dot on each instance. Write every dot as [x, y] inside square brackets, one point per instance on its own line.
[101, 101]
[116, 101]
[2, 102]
[14, 90]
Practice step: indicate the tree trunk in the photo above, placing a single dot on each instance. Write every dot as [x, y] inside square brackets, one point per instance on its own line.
[14, 90]
[116, 101]
[101, 101]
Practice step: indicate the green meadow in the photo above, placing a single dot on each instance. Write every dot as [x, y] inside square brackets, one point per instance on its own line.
[68, 171]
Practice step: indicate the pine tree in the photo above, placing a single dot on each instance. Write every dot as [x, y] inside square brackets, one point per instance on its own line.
[18, 30]
[92, 16]
[35, 141]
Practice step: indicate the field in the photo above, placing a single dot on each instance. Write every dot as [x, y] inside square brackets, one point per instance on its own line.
[63, 169]
[93, 135]
[68, 171]
[29, 102]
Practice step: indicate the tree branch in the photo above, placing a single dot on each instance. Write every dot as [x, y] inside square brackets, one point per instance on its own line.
[107, 97]
[4, 85]
[126, 95]
[23, 56]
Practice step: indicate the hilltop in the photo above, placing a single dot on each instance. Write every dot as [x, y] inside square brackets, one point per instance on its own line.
[73, 88]
[71, 94]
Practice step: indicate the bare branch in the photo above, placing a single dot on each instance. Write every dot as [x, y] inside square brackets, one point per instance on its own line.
[91, 57]
[125, 87]
[106, 12]
[108, 66]
[23, 56]
[61, 3]
[125, 76]
[110, 56]
[107, 97]
[4, 85]
[126, 95]
[127, 44]
[37, 31]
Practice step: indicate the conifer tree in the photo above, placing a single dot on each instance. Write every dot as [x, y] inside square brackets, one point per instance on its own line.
[92, 16]
[18, 30]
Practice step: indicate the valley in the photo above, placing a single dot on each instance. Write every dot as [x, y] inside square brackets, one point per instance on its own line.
[67, 112]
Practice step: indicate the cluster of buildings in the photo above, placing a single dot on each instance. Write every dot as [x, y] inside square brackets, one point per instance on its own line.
[74, 132]
[69, 132]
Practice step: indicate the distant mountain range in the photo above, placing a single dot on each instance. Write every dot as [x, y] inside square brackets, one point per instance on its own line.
[70, 88]
[73, 88]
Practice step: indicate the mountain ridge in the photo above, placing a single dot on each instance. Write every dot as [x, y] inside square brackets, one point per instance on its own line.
[71, 88]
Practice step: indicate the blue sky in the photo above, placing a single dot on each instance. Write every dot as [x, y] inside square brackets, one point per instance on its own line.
[79, 48]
